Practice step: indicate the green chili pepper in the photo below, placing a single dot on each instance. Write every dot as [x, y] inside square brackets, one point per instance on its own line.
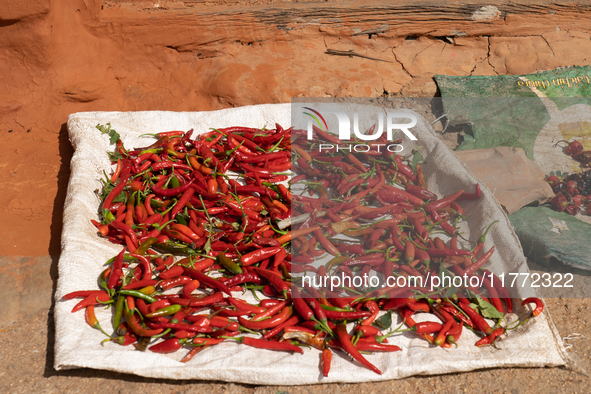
[144, 246]
[168, 310]
[161, 334]
[174, 183]
[138, 294]
[108, 216]
[103, 280]
[229, 264]
[182, 220]
[131, 200]
[483, 237]
[173, 249]
[335, 261]
[147, 290]
[334, 308]
[143, 343]
[118, 312]
[157, 150]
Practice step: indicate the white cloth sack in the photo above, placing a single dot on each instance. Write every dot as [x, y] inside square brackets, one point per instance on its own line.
[536, 344]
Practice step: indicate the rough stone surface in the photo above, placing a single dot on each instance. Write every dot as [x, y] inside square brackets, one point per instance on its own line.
[63, 56]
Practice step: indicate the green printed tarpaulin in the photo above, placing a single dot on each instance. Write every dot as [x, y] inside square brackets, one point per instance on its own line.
[531, 112]
[546, 235]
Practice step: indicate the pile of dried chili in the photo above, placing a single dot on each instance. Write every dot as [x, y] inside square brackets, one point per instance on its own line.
[198, 222]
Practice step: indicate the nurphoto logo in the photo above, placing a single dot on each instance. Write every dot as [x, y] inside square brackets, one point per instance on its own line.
[317, 123]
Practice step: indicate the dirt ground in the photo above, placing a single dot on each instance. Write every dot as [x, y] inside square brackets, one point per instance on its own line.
[59, 57]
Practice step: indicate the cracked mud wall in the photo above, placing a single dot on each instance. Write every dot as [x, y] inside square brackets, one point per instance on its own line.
[58, 57]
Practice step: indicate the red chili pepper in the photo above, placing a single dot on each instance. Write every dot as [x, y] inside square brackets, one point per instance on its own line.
[289, 323]
[126, 339]
[484, 341]
[403, 168]
[206, 280]
[225, 323]
[345, 340]
[476, 318]
[199, 302]
[421, 193]
[271, 345]
[489, 339]
[114, 193]
[440, 338]
[170, 192]
[296, 233]
[422, 256]
[229, 312]
[434, 252]
[448, 307]
[172, 272]
[471, 196]
[276, 281]
[168, 346]
[330, 248]
[301, 329]
[366, 331]
[427, 327]
[391, 194]
[134, 325]
[91, 318]
[268, 323]
[318, 311]
[269, 302]
[174, 282]
[199, 320]
[182, 334]
[146, 265]
[478, 263]
[249, 277]
[182, 202]
[271, 310]
[339, 315]
[325, 361]
[285, 193]
[179, 326]
[539, 305]
[376, 347]
[259, 255]
[444, 202]
[256, 189]
[117, 271]
[243, 305]
[270, 291]
[373, 307]
[189, 288]
[502, 290]
[418, 306]
[79, 294]
[492, 293]
[252, 147]
[407, 318]
[172, 133]
[497, 332]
